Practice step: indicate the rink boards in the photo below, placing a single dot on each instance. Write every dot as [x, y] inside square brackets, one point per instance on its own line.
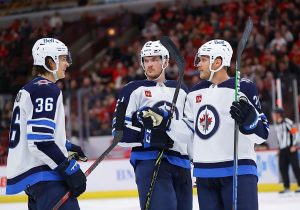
[115, 178]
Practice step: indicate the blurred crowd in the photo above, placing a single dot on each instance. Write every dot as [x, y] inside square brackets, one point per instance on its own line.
[273, 51]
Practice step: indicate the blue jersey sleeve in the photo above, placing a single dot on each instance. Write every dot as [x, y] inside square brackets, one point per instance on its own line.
[250, 91]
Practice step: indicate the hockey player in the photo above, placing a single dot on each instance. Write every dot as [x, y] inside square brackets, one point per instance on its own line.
[173, 188]
[210, 114]
[210, 106]
[38, 160]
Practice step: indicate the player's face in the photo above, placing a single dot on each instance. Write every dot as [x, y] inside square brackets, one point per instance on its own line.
[63, 65]
[153, 67]
[276, 117]
[203, 67]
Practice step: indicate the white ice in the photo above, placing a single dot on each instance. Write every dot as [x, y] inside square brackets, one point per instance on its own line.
[267, 201]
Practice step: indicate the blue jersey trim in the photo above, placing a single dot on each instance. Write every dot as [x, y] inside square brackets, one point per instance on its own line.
[224, 172]
[68, 144]
[31, 180]
[42, 130]
[129, 119]
[42, 122]
[178, 161]
[152, 155]
[224, 164]
[39, 137]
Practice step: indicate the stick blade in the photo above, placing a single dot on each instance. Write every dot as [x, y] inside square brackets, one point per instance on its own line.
[174, 52]
[245, 36]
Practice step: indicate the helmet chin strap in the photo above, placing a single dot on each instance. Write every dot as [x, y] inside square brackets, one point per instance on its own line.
[55, 76]
[162, 71]
[53, 72]
[212, 72]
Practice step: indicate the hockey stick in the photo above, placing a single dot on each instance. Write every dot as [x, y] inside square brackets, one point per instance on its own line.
[118, 135]
[241, 47]
[175, 54]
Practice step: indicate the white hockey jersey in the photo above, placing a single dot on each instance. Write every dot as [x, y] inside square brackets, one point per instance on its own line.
[209, 123]
[37, 136]
[147, 93]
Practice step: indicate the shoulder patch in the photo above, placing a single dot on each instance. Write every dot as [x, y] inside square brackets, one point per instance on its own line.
[246, 80]
[42, 82]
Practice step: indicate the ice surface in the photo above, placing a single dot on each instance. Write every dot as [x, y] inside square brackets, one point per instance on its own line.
[267, 201]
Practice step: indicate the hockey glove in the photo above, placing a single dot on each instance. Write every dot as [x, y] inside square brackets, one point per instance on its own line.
[160, 139]
[161, 118]
[244, 114]
[75, 152]
[156, 118]
[73, 176]
[138, 120]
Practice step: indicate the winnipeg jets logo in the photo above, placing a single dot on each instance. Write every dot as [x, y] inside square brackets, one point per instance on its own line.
[42, 82]
[207, 122]
[167, 106]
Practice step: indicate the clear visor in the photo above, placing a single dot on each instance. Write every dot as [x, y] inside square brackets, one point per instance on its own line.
[196, 60]
[69, 58]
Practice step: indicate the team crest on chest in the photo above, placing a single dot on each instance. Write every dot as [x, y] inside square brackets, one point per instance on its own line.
[167, 106]
[148, 93]
[198, 98]
[207, 122]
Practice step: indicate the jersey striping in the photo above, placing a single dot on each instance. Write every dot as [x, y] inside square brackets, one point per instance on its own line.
[37, 136]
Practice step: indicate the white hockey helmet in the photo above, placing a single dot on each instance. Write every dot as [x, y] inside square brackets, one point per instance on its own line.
[215, 48]
[154, 48]
[49, 47]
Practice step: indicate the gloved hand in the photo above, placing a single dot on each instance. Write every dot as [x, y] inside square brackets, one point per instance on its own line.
[155, 118]
[73, 176]
[75, 152]
[160, 139]
[244, 114]
[146, 122]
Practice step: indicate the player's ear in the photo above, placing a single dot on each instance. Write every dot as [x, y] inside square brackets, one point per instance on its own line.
[50, 63]
[218, 61]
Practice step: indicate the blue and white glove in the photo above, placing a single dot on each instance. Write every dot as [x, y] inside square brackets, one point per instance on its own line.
[73, 176]
[145, 121]
[75, 152]
[244, 114]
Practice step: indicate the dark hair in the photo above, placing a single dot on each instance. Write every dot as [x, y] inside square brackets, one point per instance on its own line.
[226, 67]
[279, 111]
[40, 70]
